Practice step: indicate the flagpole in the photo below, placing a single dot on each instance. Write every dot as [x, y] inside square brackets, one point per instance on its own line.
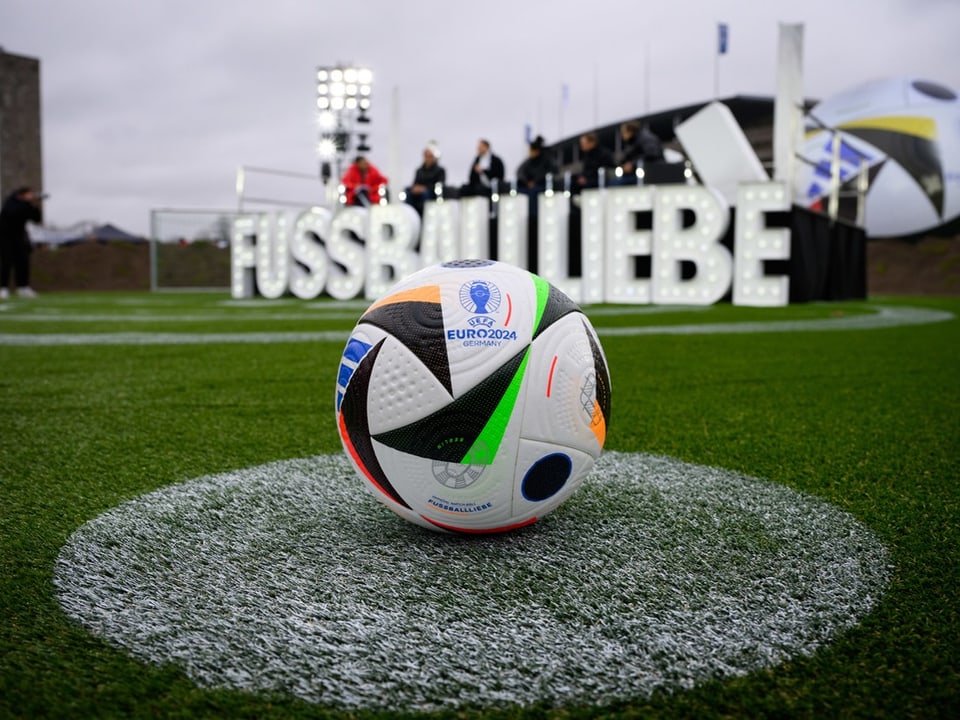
[716, 76]
[563, 104]
[723, 38]
[560, 115]
[596, 94]
[646, 78]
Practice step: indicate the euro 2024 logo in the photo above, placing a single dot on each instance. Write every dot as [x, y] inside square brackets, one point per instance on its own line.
[482, 299]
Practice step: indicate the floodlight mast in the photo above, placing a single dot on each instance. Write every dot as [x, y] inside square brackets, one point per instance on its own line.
[343, 100]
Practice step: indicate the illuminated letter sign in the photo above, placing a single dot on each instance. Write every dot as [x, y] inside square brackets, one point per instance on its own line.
[697, 245]
[360, 251]
[308, 260]
[512, 222]
[391, 240]
[273, 256]
[754, 243]
[439, 240]
[553, 243]
[346, 274]
[625, 243]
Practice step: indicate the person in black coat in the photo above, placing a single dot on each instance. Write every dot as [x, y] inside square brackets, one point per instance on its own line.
[20, 207]
[639, 146]
[486, 168]
[593, 157]
[428, 178]
[532, 173]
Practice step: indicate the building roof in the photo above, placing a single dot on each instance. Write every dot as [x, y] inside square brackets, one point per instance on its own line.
[754, 113]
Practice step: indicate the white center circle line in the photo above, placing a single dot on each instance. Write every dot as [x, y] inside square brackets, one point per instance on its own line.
[884, 317]
[288, 578]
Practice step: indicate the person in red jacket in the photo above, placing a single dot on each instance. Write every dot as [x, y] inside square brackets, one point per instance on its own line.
[362, 183]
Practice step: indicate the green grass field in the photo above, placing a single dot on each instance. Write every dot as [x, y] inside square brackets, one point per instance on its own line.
[106, 397]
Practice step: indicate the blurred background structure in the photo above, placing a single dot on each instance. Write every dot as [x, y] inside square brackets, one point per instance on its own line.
[343, 104]
[21, 159]
[190, 247]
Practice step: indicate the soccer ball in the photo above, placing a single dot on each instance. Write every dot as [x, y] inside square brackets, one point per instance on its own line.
[906, 133]
[473, 397]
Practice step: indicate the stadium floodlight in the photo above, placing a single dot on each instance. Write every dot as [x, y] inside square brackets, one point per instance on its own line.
[343, 99]
[327, 121]
[344, 82]
[327, 148]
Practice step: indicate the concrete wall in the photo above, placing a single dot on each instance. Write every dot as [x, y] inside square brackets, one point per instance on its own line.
[21, 159]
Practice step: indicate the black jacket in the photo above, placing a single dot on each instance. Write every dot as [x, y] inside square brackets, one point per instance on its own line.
[14, 216]
[598, 157]
[534, 170]
[645, 147]
[430, 176]
[481, 180]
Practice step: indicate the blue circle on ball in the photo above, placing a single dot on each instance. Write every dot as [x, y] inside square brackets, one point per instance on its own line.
[546, 477]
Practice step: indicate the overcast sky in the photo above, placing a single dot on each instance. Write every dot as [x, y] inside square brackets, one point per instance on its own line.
[155, 104]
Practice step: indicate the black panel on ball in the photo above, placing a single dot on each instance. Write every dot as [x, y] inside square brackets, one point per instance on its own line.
[353, 412]
[468, 263]
[558, 305]
[419, 326]
[603, 377]
[450, 432]
[546, 477]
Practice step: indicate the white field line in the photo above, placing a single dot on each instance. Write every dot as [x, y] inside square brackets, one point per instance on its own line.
[316, 311]
[289, 578]
[884, 317]
[134, 317]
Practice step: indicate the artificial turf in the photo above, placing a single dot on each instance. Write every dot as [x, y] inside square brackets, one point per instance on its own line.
[865, 419]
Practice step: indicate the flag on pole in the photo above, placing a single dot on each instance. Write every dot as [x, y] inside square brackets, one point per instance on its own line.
[723, 38]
